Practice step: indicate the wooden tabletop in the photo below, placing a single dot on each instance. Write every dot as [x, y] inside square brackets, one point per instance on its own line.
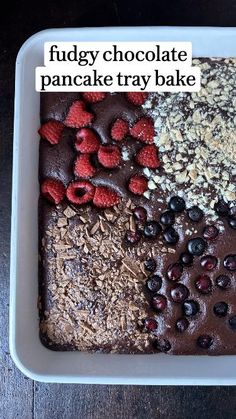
[20, 396]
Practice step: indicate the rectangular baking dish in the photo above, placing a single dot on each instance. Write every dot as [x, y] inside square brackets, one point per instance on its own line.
[30, 356]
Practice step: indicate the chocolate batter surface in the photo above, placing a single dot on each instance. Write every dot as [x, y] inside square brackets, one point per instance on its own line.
[93, 293]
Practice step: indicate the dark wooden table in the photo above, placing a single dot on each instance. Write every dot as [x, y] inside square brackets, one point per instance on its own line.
[19, 396]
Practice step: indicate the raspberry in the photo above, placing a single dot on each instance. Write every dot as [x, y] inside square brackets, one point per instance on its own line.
[138, 184]
[147, 157]
[80, 192]
[51, 131]
[77, 116]
[86, 141]
[143, 130]
[137, 98]
[105, 197]
[109, 156]
[94, 97]
[119, 129]
[53, 190]
[83, 166]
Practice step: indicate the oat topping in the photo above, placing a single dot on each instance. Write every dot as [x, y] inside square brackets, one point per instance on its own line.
[196, 136]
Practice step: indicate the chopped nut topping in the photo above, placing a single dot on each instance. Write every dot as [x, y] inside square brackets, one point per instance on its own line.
[69, 212]
[62, 222]
[90, 266]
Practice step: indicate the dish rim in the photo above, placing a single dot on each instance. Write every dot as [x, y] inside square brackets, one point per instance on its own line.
[91, 376]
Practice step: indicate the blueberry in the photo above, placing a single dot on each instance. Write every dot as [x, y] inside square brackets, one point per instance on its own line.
[159, 302]
[179, 293]
[177, 204]
[186, 259]
[203, 284]
[174, 271]
[196, 246]
[233, 211]
[132, 237]
[195, 214]
[170, 235]
[210, 232]
[162, 345]
[167, 218]
[150, 265]
[154, 283]
[204, 341]
[223, 281]
[230, 262]
[182, 324]
[221, 208]
[232, 222]
[150, 324]
[232, 322]
[140, 214]
[220, 309]
[190, 307]
[152, 229]
[208, 262]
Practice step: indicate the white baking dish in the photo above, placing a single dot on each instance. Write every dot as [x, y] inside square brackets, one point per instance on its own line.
[31, 357]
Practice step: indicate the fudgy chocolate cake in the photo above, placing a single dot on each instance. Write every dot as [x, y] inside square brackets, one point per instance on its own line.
[137, 219]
